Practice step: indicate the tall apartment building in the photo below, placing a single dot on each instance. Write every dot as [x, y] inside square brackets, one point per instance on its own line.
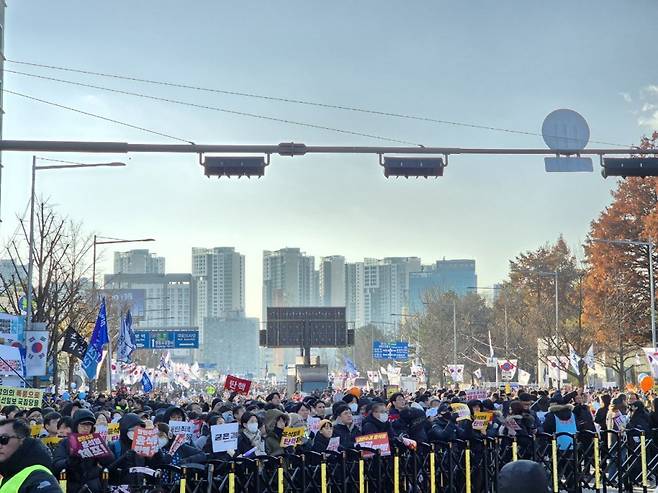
[289, 279]
[375, 289]
[456, 275]
[220, 282]
[138, 262]
[332, 281]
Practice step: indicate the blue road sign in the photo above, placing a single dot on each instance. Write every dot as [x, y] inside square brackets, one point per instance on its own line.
[167, 339]
[390, 350]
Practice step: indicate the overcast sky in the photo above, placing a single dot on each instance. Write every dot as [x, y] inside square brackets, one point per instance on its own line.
[502, 64]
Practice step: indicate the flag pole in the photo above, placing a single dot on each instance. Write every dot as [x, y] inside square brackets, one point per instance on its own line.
[108, 368]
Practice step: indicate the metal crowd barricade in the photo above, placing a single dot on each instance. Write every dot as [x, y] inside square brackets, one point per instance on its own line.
[602, 462]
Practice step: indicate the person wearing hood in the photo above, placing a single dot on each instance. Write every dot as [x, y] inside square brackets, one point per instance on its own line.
[414, 424]
[275, 422]
[344, 427]
[122, 449]
[24, 462]
[81, 472]
[444, 427]
[561, 419]
[520, 425]
[174, 414]
[250, 439]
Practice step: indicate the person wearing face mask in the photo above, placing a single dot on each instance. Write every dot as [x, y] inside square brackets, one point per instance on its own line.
[250, 441]
[122, 449]
[322, 437]
[183, 454]
[377, 421]
[275, 422]
[352, 402]
[80, 472]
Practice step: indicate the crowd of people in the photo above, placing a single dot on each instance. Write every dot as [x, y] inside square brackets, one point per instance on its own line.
[35, 448]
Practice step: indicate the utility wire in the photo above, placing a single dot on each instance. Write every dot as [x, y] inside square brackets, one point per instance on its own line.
[216, 108]
[293, 101]
[76, 110]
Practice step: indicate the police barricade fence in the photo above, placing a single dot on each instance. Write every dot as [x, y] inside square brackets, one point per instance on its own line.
[604, 462]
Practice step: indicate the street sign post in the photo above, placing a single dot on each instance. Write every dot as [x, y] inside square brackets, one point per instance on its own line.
[167, 339]
[390, 350]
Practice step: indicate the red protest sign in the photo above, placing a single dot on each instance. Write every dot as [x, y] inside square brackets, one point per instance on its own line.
[145, 442]
[376, 441]
[235, 384]
[88, 446]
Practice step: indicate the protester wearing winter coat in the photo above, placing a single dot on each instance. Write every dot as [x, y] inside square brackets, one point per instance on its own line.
[249, 438]
[275, 422]
[602, 412]
[80, 472]
[344, 427]
[322, 437]
[377, 421]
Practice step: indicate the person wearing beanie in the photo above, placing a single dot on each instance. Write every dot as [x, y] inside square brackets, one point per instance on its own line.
[522, 476]
[323, 436]
[81, 472]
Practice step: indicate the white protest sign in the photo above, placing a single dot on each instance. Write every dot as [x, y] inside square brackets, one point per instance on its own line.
[224, 437]
[476, 394]
[334, 442]
[176, 427]
[313, 424]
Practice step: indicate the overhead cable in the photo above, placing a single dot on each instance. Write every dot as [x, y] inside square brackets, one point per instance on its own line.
[294, 101]
[216, 108]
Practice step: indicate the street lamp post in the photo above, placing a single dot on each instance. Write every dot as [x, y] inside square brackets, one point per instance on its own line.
[30, 264]
[649, 245]
[107, 241]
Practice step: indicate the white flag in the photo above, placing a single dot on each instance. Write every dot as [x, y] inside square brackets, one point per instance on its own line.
[589, 358]
[478, 374]
[524, 377]
[652, 358]
[507, 369]
[574, 359]
[456, 373]
[556, 366]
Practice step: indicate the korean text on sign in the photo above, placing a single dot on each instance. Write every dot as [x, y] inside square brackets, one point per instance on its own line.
[239, 385]
[88, 446]
[224, 437]
[23, 398]
[376, 441]
[292, 436]
[145, 442]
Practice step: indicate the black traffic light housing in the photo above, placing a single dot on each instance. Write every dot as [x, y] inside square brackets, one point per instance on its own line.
[413, 166]
[630, 166]
[235, 166]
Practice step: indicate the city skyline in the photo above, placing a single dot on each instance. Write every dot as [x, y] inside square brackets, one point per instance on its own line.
[234, 302]
[488, 208]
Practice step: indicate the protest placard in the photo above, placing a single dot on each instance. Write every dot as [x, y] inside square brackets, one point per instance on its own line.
[51, 442]
[476, 394]
[35, 430]
[481, 421]
[376, 441]
[23, 398]
[313, 424]
[176, 427]
[334, 442]
[392, 389]
[180, 439]
[239, 385]
[224, 437]
[145, 442]
[113, 432]
[88, 446]
[198, 423]
[292, 436]
[462, 410]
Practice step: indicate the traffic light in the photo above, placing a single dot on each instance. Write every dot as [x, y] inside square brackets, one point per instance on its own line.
[234, 166]
[630, 166]
[413, 166]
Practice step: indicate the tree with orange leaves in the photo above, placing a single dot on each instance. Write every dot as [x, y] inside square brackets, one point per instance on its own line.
[617, 295]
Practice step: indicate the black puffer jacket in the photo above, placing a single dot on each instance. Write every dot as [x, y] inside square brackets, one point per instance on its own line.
[373, 425]
[31, 453]
[347, 436]
[80, 471]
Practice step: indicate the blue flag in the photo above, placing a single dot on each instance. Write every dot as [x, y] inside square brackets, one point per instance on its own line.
[350, 367]
[126, 344]
[99, 337]
[147, 385]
